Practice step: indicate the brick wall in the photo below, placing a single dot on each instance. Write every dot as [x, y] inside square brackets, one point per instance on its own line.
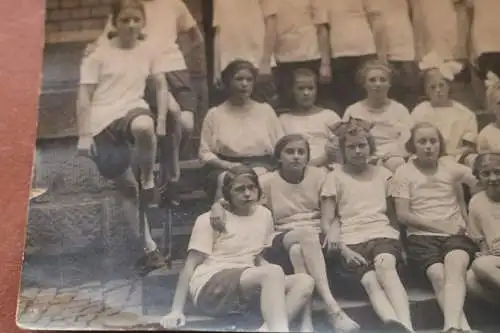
[83, 20]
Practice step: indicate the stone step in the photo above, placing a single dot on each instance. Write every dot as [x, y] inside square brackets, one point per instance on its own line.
[424, 309]
[58, 165]
[77, 222]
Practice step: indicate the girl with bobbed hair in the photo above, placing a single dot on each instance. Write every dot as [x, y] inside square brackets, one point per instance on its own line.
[238, 131]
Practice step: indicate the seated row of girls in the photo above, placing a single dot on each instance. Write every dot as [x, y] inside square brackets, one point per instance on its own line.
[303, 200]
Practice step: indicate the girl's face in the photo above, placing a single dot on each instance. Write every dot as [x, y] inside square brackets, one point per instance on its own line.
[294, 157]
[356, 150]
[242, 83]
[304, 91]
[427, 145]
[437, 88]
[244, 193]
[489, 175]
[129, 24]
[377, 82]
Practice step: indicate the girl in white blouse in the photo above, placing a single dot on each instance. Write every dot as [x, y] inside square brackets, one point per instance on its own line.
[240, 130]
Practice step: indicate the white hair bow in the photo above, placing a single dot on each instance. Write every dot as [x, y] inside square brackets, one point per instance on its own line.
[491, 80]
[447, 68]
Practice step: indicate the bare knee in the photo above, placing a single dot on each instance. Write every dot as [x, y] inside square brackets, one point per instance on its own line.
[369, 282]
[484, 267]
[303, 283]
[384, 264]
[456, 261]
[272, 273]
[142, 126]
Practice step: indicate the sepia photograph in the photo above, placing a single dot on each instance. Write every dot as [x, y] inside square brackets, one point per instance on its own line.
[266, 166]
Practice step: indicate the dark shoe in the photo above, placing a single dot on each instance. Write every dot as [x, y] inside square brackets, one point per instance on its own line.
[150, 262]
[170, 195]
[149, 197]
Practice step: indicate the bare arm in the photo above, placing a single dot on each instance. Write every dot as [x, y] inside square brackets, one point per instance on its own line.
[407, 217]
[194, 259]
[269, 44]
[379, 33]
[83, 114]
[217, 55]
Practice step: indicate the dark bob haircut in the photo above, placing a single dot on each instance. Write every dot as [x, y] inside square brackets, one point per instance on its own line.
[235, 172]
[234, 67]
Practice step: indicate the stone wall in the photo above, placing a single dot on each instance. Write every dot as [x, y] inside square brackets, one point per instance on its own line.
[83, 20]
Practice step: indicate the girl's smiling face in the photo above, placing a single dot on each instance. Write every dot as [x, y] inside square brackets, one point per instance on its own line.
[129, 24]
[377, 82]
[489, 175]
[304, 91]
[294, 156]
[427, 144]
[356, 150]
[242, 83]
[437, 88]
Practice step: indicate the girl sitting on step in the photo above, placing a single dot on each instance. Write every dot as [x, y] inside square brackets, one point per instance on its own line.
[292, 193]
[113, 115]
[361, 213]
[424, 190]
[225, 269]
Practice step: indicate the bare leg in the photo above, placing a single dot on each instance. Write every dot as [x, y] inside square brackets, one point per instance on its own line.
[127, 188]
[478, 289]
[435, 273]
[143, 130]
[299, 266]
[487, 268]
[378, 298]
[316, 267]
[385, 269]
[455, 268]
[270, 280]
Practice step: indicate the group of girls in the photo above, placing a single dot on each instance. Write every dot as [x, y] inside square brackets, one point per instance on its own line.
[345, 187]
[333, 38]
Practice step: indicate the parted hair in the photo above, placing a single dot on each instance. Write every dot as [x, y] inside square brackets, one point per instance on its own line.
[410, 144]
[117, 6]
[232, 174]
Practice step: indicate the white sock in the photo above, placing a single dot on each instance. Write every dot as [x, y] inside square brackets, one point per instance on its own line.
[150, 243]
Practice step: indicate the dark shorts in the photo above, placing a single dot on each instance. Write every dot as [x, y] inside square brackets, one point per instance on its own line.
[489, 61]
[277, 254]
[222, 294]
[179, 85]
[406, 83]
[112, 154]
[425, 251]
[345, 88]
[370, 250]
